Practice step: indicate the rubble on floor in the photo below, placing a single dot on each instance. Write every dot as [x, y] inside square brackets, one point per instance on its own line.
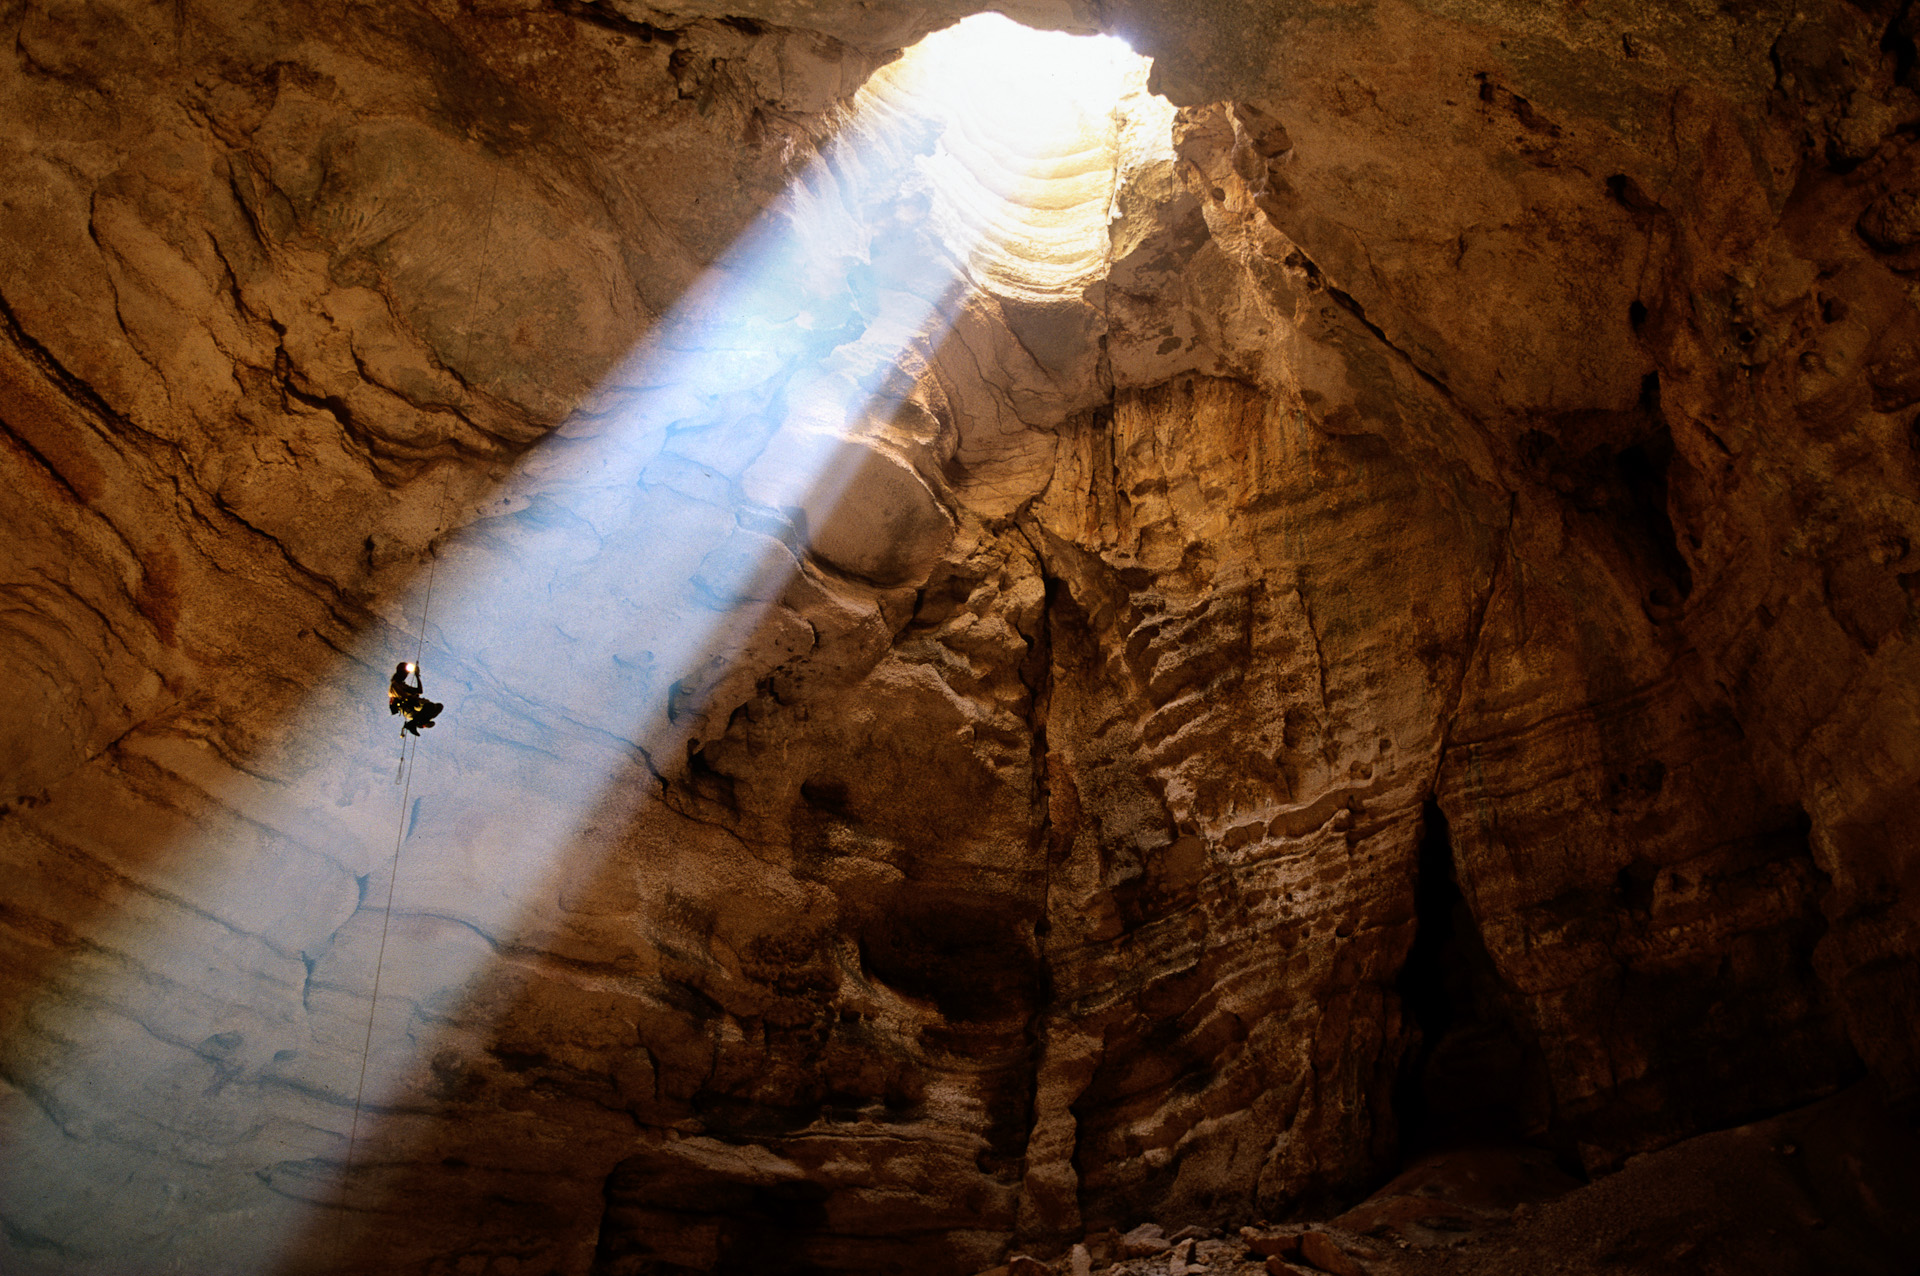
[1832, 1187]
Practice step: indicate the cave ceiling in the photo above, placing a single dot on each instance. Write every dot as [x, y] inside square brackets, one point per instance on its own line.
[997, 686]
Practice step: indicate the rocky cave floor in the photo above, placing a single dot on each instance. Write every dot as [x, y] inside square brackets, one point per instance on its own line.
[1830, 1188]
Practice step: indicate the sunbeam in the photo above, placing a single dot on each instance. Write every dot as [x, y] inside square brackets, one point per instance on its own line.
[592, 623]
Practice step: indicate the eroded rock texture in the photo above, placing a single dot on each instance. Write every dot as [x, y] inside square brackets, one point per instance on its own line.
[1415, 641]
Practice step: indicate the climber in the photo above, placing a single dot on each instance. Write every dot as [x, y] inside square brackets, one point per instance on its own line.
[408, 698]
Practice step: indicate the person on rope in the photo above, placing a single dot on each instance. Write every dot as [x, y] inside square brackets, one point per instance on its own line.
[409, 698]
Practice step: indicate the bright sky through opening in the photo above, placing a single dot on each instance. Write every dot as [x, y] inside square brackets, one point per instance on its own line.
[1023, 172]
[1061, 90]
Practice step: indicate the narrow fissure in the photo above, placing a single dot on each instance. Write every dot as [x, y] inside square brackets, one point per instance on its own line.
[1472, 1078]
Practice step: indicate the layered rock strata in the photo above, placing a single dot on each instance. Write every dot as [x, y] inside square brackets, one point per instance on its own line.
[1436, 607]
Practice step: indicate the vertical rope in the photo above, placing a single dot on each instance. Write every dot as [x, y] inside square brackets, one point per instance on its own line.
[433, 564]
[379, 961]
[407, 755]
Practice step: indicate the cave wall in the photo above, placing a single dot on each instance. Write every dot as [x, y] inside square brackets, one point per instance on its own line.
[1502, 419]
[1660, 183]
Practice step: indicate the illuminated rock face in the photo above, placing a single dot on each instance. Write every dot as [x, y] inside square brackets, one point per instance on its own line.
[1423, 649]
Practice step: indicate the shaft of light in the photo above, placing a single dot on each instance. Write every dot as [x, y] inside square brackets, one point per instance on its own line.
[182, 1096]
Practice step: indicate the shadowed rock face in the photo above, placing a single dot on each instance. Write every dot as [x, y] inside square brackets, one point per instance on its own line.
[1440, 606]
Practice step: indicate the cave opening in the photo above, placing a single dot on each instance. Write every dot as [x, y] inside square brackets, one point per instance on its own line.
[1023, 130]
[1474, 1079]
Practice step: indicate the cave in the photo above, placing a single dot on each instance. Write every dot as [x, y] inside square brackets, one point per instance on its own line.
[1133, 638]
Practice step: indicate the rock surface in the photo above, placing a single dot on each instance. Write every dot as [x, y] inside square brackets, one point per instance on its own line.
[1421, 641]
[1830, 1187]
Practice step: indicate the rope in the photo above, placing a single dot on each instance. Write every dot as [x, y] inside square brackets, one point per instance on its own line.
[408, 753]
[386, 921]
[433, 563]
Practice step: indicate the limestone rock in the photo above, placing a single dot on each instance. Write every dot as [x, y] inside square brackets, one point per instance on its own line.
[1264, 1244]
[1144, 1241]
[1412, 631]
[1325, 1254]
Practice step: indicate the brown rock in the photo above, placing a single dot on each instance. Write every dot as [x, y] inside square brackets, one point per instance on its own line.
[1445, 1197]
[1429, 575]
[1102, 1247]
[1143, 1241]
[1325, 1254]
[1285, 1244]
[1024, 1265]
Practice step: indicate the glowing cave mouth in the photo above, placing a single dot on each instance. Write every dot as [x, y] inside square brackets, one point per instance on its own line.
[1055, 88]
[1020, 184]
